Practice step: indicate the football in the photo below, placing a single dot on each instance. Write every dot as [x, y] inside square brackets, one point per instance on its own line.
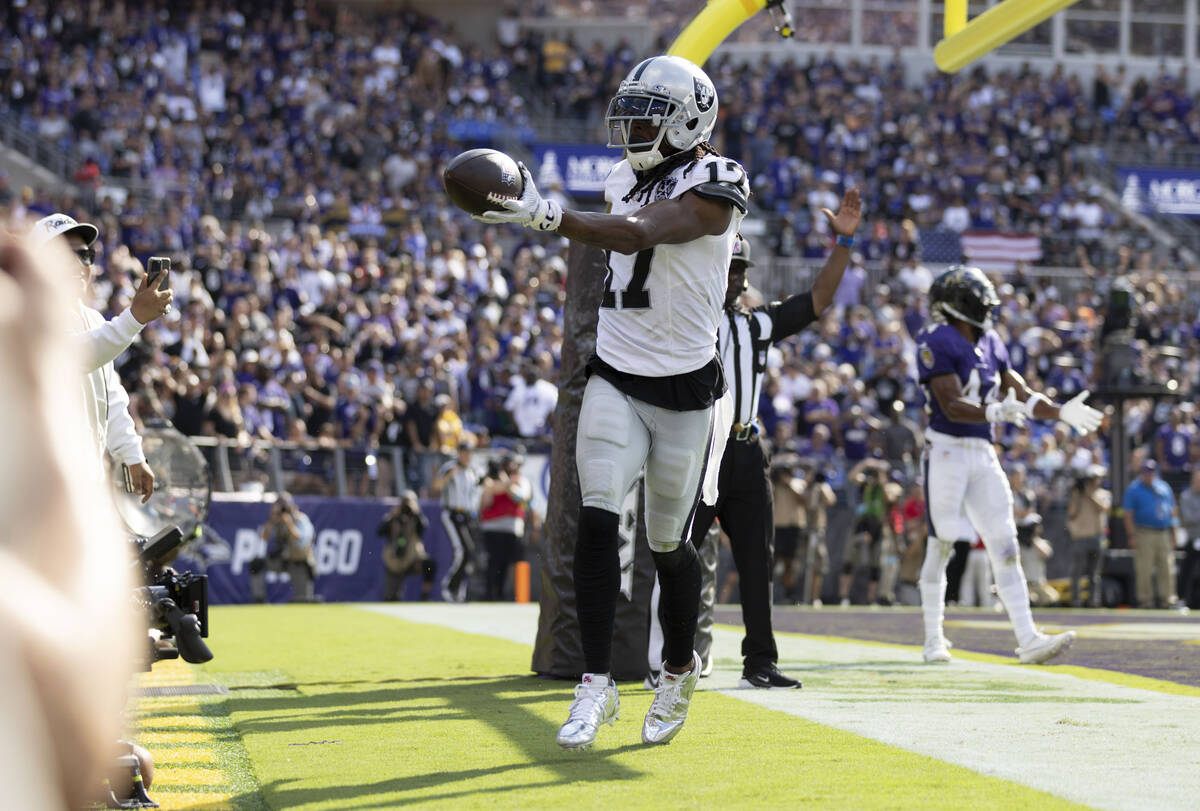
[474, 174]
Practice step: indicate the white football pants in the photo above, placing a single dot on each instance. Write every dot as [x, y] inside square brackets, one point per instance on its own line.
[967, 494]
[618, 435]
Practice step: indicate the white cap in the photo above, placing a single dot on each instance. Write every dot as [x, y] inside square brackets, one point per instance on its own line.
[56, 225]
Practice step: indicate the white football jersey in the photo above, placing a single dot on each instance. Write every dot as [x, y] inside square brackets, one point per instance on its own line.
[661, 306]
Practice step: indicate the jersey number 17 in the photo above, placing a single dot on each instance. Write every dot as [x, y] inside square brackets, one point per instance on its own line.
[635, 296]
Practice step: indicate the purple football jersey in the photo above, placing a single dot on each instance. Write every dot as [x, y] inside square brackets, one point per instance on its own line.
[942, 350]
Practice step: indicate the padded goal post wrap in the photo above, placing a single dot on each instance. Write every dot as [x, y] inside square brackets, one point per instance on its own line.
[558, 652]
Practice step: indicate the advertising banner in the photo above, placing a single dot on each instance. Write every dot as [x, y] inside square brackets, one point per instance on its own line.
[580, 168]
[1160, 191]
[348, 552]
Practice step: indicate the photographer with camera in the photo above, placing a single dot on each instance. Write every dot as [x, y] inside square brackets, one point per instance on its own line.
[864, 548]
[106, 400]
[1087, 524]
[403, 532]
[288, 534]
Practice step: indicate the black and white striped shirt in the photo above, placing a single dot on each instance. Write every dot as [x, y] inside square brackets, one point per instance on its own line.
[743, 338]
[461, 491]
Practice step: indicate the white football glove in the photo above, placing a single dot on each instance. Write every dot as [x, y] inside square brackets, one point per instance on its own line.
[1080, 416]
[529, 209]
[1010, 409]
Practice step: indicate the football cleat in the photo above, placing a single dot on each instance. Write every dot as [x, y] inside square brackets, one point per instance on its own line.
[669, 709]
[1045, 647]
[652, 680]
[936, 651]
[596, 702]
[768, 678]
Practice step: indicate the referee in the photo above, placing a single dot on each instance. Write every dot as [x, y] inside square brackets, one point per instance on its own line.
[458, 485]
[744, 501]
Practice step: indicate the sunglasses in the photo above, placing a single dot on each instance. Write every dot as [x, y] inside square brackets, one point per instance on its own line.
[86, 256]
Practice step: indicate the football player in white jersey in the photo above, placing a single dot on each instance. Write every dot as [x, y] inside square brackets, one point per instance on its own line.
[675, 205]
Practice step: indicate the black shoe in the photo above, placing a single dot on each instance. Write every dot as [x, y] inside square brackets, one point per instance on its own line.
[768, 677]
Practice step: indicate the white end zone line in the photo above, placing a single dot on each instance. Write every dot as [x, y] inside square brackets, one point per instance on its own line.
[1105, 745]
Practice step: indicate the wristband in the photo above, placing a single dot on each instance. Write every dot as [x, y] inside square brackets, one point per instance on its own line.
[1032, 402]
[845, 242]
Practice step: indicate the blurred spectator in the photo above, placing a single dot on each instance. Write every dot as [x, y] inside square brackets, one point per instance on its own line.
[976, 586]
[1035, 551]
[503, 509]
[531, 403]
[1150, 515]
[1087, 524]
[1189, 515]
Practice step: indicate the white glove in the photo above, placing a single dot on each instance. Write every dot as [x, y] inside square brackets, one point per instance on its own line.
[1080, 416]
[1010, 409]
[529, 209]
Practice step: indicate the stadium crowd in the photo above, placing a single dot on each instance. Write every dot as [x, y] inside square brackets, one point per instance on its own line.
[287, 159]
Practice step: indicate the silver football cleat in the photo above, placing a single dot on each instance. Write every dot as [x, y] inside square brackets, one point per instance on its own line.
[1045, 647]
[669, 709]
[596, 702]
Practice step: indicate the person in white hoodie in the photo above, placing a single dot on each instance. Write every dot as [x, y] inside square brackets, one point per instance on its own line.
[105, 399]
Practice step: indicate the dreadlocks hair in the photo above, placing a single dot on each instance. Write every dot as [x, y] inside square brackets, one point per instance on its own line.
[647, 181]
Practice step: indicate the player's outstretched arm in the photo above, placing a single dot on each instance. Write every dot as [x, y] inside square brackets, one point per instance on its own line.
[664, 222]
[948, 391]
[1075, 412]
[671, 222]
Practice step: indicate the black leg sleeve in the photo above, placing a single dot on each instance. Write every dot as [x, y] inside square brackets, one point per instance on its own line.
[679, 578]
[597, 570]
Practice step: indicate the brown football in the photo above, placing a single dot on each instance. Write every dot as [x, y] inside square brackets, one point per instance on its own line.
[474, 174]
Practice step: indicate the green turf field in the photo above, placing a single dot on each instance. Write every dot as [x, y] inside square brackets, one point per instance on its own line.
[337, 707]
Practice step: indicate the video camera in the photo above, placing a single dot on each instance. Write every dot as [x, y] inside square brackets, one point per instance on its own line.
[177, 603]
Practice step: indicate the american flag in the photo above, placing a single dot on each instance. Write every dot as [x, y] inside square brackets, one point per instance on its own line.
[994, 251]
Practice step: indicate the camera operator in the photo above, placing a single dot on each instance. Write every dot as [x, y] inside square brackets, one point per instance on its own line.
[289, 537]
[864, 547]
[102, 341]
[403, 530]
[503, 507]
[1087, 524]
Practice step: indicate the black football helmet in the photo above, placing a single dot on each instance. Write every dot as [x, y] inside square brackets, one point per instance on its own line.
[964, 293]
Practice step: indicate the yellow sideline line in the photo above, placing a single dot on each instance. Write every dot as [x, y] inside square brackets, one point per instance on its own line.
[1090, 673]
[184, 758]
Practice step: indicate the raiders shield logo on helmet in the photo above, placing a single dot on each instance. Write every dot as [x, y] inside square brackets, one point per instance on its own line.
[704, 95]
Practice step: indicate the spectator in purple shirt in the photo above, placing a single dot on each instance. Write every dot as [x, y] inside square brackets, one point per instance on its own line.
[1173, 441]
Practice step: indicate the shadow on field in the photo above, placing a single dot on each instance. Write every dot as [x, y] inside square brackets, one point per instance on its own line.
[505, 703]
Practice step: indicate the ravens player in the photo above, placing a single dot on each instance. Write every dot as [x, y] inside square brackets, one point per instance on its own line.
[969, 387]
[674, 207]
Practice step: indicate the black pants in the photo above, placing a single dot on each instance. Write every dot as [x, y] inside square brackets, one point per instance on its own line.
[460, 530]
[503, 550]
[746, 511]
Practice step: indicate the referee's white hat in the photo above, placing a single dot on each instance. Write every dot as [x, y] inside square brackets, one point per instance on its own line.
[56, 225]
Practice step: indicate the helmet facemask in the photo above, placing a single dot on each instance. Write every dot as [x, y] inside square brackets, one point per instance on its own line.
[625, 111]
